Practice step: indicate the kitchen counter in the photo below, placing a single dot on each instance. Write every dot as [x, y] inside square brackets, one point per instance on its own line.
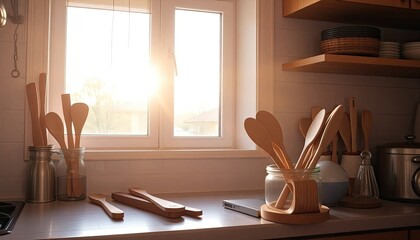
[84, 220]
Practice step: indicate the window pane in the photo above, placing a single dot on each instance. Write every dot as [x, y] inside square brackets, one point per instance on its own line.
[197, 79]
[108, 67]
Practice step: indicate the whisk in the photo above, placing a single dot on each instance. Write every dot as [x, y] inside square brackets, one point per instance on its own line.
[365, 185]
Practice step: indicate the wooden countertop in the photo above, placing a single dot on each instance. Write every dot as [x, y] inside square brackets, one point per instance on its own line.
[84, 220]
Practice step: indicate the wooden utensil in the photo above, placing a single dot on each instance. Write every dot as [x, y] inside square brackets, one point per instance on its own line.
[42, 90]
[79, 114]
[270, 122]
[280, 154]
[66, 105]
[143, 204]
[165, 205]
[366, 127]
[32, 96]
[331, 129]
[314, 111]
[56, 128]
[304, 124]
[344, 131]
[111, 210]
[259, 134]
[313, 132]
[353, 124]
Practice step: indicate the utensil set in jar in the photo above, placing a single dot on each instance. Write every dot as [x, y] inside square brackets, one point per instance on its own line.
[266, 132]
[141, 199]
[75, 116]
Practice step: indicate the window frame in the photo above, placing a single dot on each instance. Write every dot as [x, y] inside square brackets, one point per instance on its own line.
[160, 110]
[38, 61]
[228, 77]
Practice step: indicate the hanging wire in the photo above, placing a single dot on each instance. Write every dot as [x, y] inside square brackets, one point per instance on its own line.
[112, 29]
[16, 19]
[129, 23]
[15, 72]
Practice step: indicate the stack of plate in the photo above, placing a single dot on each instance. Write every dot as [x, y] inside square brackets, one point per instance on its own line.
[389, 50]
[411, 50]
[351, 40]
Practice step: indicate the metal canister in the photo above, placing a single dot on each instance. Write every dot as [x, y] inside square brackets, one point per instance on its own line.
[40, 178]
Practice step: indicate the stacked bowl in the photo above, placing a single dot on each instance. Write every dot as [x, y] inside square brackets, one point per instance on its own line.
[389, 50]
[351, 40]
[411, 50]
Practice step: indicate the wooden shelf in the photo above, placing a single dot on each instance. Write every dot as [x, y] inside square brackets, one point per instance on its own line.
[353, 12]
[356, 65]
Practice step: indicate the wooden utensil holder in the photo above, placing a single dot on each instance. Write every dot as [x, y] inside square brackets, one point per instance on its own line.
[304, 205]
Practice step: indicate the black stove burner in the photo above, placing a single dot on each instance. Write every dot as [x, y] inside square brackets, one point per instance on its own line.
[9, 213]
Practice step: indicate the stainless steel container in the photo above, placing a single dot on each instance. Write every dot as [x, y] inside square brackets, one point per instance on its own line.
[40, 179]
[398, 170]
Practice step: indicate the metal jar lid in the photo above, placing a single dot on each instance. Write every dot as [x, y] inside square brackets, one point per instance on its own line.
[408, 147]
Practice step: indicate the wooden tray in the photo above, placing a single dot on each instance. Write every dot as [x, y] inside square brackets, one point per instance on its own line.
[280, 216]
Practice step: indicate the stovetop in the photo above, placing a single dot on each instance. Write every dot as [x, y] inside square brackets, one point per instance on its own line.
[9, 213]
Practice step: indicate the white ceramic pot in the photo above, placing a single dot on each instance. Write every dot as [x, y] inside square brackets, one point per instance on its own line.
[335, 182]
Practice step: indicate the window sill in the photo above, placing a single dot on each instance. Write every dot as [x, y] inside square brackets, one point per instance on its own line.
[94, 155]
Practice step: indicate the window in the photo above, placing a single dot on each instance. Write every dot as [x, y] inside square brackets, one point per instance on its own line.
[253, 89]
[156, 74]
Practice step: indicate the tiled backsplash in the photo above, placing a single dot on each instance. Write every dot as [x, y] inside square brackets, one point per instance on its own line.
[391, 100]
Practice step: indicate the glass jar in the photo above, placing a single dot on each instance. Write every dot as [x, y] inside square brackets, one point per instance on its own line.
[71, 175]
[40, 175]
[275, 184]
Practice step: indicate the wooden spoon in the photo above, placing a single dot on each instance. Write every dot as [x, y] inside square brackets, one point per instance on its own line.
[259, 134]
[42, 90]
[33, 108]
[331, 128]
[313, 132]
[344, 131]
[270, 122]
[366, 127]
[110, 209]
[79, 114]
[56, 128]
[66, 105]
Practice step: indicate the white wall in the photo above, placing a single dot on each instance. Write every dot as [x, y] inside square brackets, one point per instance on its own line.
[12, 103]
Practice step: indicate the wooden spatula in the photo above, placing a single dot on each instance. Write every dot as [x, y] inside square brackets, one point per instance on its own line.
[33, 108]
[66, 105]
[110, 209]
[42, 90]
[163, 204]
[143, 204]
